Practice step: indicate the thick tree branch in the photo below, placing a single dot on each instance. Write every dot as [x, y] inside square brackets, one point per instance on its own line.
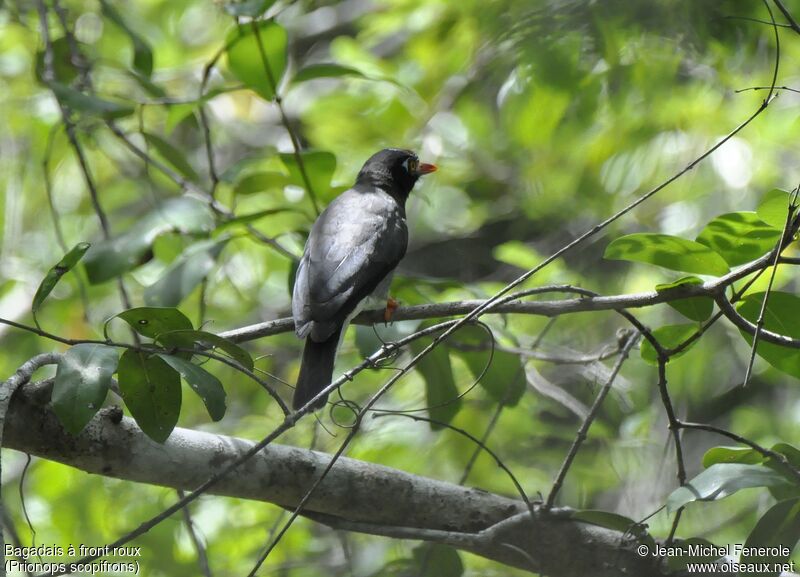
[363, 496]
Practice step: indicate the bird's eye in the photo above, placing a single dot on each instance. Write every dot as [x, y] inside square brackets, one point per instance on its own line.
[411, 165]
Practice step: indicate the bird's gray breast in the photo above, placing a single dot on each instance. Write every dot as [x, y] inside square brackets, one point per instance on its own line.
[354, 245]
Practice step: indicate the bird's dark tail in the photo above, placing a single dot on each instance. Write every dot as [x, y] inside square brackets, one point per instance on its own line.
[316, 370]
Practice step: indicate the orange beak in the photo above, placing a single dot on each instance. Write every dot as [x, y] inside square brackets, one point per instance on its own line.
[425, 168]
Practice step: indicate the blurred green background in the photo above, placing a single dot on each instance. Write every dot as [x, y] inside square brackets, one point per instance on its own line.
[544, 118]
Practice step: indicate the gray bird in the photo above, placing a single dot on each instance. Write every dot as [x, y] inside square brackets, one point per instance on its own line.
[351, 253]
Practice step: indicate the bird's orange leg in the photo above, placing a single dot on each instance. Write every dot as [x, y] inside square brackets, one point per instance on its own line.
[388, 312]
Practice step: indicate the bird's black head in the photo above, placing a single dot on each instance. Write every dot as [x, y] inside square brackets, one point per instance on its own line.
[395, 170]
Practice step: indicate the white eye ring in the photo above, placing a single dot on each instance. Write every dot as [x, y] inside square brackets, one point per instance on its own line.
[410, 164]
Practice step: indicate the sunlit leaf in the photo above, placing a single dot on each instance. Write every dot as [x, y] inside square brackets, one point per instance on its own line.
[731, 455]
[670, 252]
[694, 308]
[251, 8]
[151, 390]
[774, 208]
[142, 53]
[245, 56]
[153, 321]
[184, 274]
[669, 336]
[207, 386]
[190, 339]
[261, 181]
[739, 237]
[319, 166]
[83, 377]
[721, 480]
[49, 282]
[326, 70]
[778, 528]
[781, 316]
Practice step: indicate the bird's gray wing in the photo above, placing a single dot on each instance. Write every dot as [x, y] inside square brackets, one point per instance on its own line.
[353, 245]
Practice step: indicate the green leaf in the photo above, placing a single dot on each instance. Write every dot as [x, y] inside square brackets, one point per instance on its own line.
[440, 388]
[681, 559]
[325, 70]
[177, 113]
[694, 308]
[781, 316]
[731, 455]
[774, 208]
[605, 519]
[722, 480]
[142, 54]
[245, 60]
[172, 155]
[778, 527]
[153, 321]
[151, 390]
[207, 386]
[184, 274]
[83, 376]
[254, 216]
[319, 166]
[87, 103]
[189, 339]
[669, 336]
[111, 258]
[63, 70]
[66, 264]
[260, 182]
[739, 237]
[249, 8]
[501, 373]
[668, 251]
[433, 560]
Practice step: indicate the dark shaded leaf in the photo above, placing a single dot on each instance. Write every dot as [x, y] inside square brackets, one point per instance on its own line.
[433, 560]
[184, 274]
[778, 527]
[694, 308]
[669, 336]
[207, 386]
[668, 251]
[325, 70]
[108, 259]
[63, 69]
[172, 155]
[501, 373]
[680, 560]
[153, 321]
[151, 390]
[605, 519]
[441, 393]
[781, 316]
[721, 480]
[54, 275]
[739, 237]
[189, 339]
[87, 103]
[83, 377]
[245, 60]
